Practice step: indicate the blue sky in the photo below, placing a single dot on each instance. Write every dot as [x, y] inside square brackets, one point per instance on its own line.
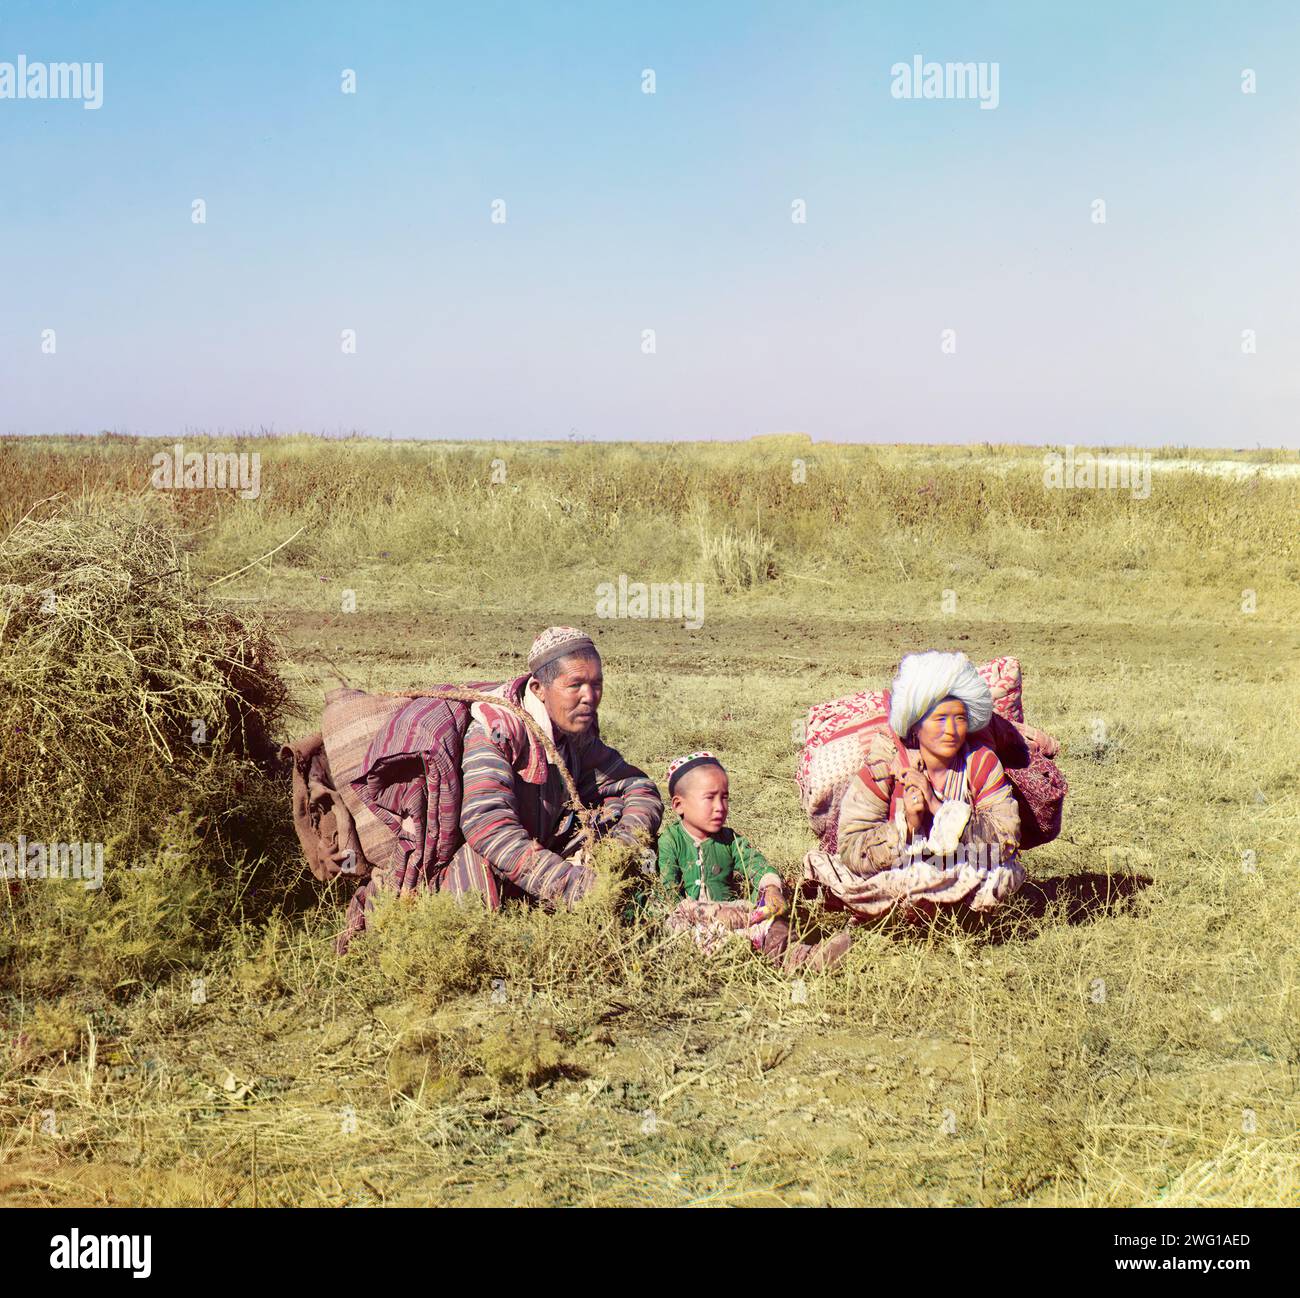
[628, 211]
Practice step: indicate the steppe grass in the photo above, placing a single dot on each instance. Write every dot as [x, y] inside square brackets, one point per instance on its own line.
[1124, 1033]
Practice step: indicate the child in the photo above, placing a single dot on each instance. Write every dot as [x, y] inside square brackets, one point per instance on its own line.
[711, 864]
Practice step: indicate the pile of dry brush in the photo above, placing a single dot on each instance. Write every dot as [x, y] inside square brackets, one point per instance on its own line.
[137, 713]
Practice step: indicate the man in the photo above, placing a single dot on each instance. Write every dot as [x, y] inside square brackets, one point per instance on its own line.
[521, 838]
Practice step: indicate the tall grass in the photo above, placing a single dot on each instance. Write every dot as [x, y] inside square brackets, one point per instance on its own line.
[639, 506]
[737, 560]
[886, 534]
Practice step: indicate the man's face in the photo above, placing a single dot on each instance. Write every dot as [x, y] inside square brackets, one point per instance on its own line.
[572, 699]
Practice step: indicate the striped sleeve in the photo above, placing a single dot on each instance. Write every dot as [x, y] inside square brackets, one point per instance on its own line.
[616, 786]
[988, 780]
[995, 814]
[868, 841]
[489, 819]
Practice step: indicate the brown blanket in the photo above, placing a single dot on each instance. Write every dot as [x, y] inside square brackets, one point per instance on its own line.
[324, 825]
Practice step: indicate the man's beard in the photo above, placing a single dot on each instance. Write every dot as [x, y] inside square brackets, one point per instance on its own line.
[581, 740]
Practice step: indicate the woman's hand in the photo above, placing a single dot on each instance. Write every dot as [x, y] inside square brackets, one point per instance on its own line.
[917, 779]
[918, 801]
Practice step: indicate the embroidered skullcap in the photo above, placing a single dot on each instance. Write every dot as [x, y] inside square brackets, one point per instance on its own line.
[558, 642]
[680, 765]
[925, 680]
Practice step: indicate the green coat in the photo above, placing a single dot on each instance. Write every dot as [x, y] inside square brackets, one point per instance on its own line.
[730, 866]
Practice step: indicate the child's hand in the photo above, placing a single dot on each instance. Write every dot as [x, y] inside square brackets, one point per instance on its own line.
[771, 903]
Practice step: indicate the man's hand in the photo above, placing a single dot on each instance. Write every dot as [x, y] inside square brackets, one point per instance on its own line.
[605, 820]
[579, 883]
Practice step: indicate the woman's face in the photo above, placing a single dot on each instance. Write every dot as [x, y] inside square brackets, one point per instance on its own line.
[943, 732]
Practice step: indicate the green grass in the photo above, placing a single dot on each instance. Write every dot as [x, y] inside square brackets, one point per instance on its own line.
[1125, 1034]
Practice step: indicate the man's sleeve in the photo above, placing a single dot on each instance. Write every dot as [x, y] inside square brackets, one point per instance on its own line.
[614, 785]
[489, 819]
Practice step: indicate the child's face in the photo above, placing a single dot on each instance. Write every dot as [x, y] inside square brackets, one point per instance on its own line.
[701, 799]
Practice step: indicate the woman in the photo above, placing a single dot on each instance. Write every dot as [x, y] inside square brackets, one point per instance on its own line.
[930, 820]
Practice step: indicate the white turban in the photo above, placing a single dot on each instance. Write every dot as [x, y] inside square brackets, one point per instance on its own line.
[925, 680]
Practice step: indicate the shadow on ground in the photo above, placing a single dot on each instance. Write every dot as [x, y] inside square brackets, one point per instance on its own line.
[1081, 898]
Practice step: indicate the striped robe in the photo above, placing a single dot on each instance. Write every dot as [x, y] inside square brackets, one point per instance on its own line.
[520, 836]
[873, 870]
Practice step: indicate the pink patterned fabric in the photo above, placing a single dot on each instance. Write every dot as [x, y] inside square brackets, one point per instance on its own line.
[1040, 789]
[917, 891]
[711, 923]
[1004, 681]
[506, 724]
[836, 734]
